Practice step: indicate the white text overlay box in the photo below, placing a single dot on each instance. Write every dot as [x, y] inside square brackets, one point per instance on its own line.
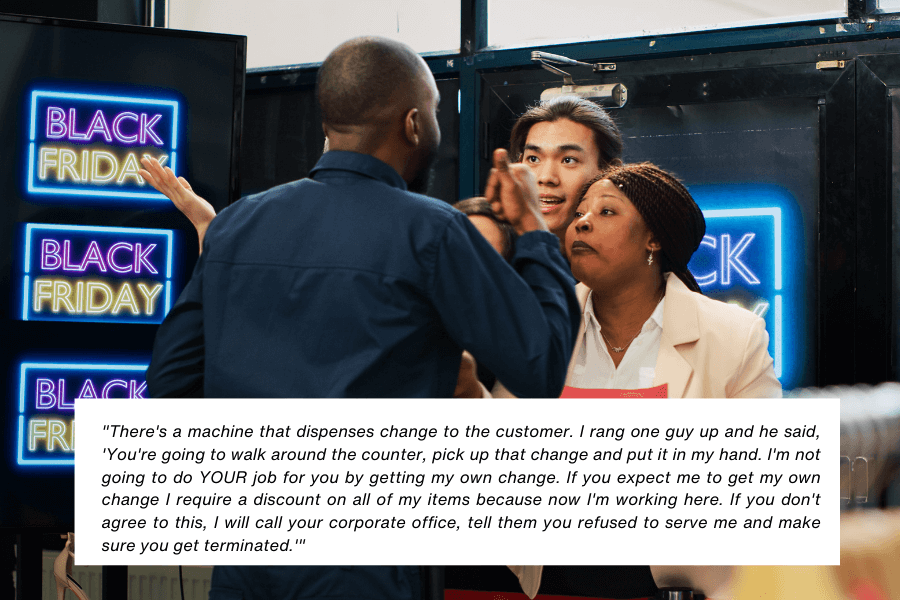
[348, 481]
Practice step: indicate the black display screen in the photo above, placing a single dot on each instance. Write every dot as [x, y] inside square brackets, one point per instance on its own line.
[753, 167]
[92, 256]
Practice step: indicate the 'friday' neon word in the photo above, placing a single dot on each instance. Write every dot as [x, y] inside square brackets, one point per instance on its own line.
[93, 166]
[94, 297]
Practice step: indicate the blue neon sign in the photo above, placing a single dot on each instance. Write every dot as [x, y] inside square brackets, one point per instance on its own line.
[47, 394]
[90, 145]
[99, 274]
[742, 260]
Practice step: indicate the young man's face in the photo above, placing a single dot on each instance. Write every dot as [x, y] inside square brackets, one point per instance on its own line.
[564, 157]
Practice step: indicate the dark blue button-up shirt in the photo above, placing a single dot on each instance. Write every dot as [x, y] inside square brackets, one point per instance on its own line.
[347, 285]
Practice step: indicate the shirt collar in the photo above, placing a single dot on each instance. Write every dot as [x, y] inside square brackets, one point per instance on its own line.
[656, 317]
[363, 164]
[588, 313]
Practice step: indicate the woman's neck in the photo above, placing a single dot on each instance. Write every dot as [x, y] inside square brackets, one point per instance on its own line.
[623, 311]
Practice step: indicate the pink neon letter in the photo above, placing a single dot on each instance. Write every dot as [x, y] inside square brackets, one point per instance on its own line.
[117, 131]
[147, 129]
[135, 390]
[87, 390]
[110, 385]
[74, 135]
[50, 259]
[111, 255]
[63, 403]
[98, 123]
[56, 123]
[140, 258]
[92, 256]
[46, 399]
[67, 257]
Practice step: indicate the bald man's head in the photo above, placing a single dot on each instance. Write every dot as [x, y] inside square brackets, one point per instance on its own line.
[378, 97]
[365, 78]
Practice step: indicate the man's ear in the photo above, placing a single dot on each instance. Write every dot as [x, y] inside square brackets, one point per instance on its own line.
[411, 126]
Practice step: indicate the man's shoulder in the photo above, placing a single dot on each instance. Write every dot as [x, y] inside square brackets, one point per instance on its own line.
[408, 208]
[430, 205]
[412, 201]
[365, 209]
[254, 201]
[234, 219]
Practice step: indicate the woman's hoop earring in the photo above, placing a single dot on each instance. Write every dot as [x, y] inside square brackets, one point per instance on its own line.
[650, 259]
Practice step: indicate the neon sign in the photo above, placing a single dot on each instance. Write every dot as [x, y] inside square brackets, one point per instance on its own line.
[107, 274]
[741, 260]
[91, 144]
[737, 267]
[47, 394]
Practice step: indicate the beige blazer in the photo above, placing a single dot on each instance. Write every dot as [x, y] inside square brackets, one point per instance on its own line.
[708, 349]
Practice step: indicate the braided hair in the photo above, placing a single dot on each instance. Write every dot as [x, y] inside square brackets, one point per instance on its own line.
[668, 210]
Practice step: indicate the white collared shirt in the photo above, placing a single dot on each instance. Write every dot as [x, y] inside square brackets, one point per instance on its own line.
[594, 367]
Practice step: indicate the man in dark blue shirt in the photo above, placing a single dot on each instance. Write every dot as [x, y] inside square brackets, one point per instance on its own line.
[346, 284]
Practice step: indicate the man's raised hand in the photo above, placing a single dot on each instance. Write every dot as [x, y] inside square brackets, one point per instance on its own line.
[512, 191]
[179, 191]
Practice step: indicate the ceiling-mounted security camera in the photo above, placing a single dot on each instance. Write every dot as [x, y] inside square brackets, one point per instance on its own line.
[610, 95]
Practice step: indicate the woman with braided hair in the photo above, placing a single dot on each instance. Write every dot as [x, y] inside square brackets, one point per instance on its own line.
[645, 321]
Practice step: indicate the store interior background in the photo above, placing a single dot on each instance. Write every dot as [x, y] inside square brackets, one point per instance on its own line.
[705, 78]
